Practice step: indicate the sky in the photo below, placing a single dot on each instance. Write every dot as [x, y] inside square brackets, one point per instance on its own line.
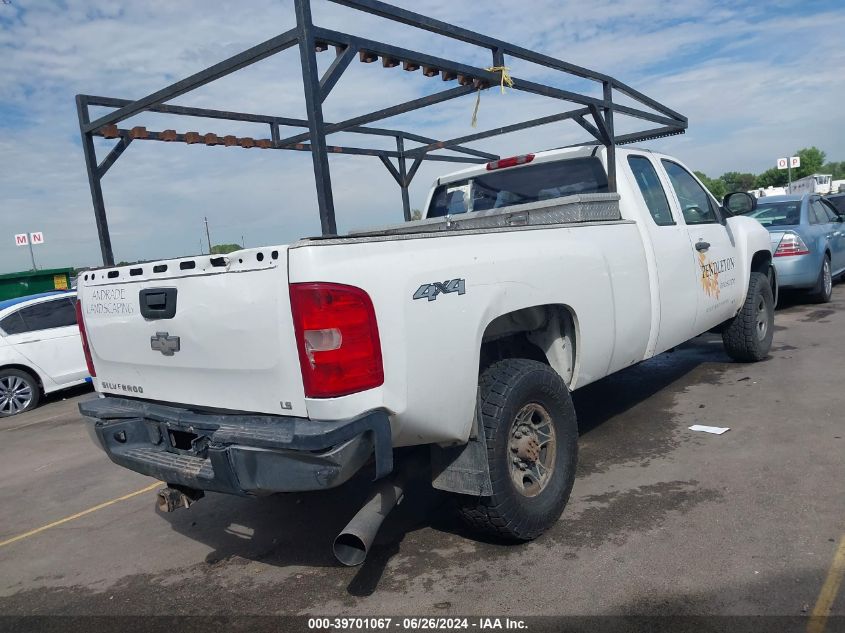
[757, 80]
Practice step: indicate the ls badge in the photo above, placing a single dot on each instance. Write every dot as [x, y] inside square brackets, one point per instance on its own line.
[431, 291]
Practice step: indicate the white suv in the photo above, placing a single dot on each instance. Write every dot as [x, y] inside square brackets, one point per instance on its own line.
[40, 349]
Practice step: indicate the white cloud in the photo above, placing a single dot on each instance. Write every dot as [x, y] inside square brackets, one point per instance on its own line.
[756, 82]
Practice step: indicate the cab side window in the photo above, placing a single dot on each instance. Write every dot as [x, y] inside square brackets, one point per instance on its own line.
[652, 190]
[696, 204]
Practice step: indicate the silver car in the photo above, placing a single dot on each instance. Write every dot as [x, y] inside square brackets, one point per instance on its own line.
[808, 241]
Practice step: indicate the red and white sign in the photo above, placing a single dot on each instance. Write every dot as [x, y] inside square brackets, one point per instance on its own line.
[21, 239]
[794, 161]
[37, 238]
[782, 163]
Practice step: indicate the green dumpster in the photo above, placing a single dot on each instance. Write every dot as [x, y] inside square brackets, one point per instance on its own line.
[14, 285]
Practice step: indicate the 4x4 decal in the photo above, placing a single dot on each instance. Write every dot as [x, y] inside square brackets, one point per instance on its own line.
[431, 291]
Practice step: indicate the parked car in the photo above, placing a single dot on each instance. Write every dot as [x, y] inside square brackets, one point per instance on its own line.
[40, 349]
[808, 241]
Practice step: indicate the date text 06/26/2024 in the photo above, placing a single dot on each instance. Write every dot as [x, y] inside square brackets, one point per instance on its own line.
[416, 624]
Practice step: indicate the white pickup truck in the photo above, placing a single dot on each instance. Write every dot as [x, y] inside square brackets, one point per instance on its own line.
[291, 368]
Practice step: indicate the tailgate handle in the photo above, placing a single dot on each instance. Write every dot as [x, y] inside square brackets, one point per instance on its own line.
[157, 303]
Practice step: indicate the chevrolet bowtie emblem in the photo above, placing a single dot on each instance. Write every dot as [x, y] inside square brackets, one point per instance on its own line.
[164, 343]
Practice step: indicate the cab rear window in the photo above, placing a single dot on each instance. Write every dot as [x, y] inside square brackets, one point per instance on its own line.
[519, 185]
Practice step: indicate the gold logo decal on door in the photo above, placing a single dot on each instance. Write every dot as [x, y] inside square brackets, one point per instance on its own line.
[710, 273]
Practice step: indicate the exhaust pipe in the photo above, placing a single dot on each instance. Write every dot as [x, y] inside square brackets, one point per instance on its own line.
[353, 543]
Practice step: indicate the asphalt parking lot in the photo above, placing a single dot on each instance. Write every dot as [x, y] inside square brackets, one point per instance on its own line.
[662, 520]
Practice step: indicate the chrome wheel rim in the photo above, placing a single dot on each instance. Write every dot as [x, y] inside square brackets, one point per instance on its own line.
[762, 319]
[15, 395]
[532, 449]
[828, 279]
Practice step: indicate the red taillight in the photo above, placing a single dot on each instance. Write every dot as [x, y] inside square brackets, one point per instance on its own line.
[337, 338]
[84, 336]
[791, 244]
[513, 161]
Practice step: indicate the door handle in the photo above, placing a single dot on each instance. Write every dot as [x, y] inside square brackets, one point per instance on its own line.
[702, 246]
[157, 303]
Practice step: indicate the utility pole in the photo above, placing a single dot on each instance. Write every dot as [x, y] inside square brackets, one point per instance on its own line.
[788, 163]
[208, 235]
[32, 255]
[26, 239]
[243, 244]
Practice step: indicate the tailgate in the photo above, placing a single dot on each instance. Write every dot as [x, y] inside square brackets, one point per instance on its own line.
[215, 332]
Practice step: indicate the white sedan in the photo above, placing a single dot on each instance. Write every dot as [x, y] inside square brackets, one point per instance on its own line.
[40, 349]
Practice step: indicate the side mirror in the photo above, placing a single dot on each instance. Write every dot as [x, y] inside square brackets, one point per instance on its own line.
[739, 202]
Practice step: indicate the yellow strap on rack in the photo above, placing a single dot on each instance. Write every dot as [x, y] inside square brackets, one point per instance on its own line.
[506, 76]
[506, 81]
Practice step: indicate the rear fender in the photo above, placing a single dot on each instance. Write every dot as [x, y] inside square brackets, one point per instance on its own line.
[10, 358]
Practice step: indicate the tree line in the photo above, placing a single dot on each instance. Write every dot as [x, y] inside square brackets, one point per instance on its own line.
[813, 161]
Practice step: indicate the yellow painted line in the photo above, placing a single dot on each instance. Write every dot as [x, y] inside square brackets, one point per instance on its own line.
[78, 515]
[824, 603]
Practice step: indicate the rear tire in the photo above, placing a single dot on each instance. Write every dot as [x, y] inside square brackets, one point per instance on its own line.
[532, 449]
[748, 336]
[823, 292]
[19, 392]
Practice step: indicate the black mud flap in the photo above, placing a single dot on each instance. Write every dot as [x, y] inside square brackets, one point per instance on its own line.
[463, 469]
